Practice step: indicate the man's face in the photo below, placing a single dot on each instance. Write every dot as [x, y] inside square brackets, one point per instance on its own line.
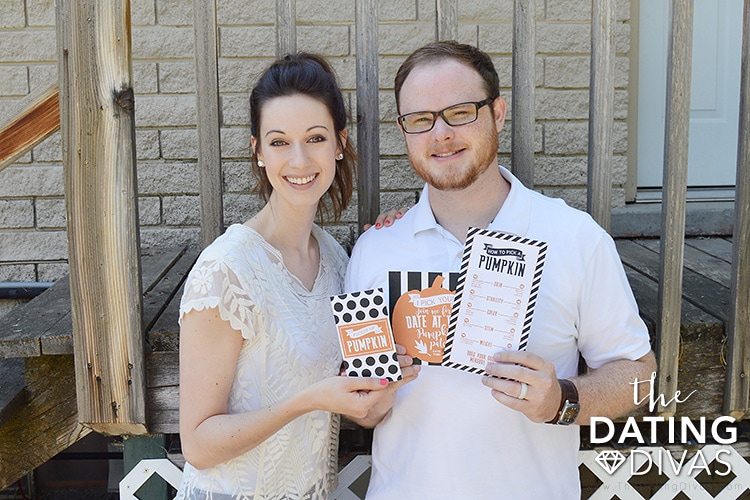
[450, 157]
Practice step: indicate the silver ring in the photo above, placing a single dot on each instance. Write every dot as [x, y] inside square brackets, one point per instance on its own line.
[524, 390]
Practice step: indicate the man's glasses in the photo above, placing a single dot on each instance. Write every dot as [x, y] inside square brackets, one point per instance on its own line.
[458, 114]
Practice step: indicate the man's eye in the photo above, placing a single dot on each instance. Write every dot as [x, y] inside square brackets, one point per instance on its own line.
[421, 119]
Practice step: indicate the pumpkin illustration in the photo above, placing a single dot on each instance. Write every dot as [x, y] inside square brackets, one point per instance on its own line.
[420, 321]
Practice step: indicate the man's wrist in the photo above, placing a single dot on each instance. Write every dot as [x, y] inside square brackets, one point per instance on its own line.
[569, 407]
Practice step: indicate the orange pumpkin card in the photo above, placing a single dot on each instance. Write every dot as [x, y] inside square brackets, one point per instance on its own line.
[420, 316]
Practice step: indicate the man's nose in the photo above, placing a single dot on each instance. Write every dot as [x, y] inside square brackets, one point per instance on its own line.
[441, 130]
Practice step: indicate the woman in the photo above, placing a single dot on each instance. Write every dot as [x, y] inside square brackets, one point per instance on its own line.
[259, 355]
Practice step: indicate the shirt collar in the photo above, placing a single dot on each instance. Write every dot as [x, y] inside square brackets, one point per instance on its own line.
[514, 216]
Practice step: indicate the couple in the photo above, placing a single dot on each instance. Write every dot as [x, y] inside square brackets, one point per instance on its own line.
[259, 388]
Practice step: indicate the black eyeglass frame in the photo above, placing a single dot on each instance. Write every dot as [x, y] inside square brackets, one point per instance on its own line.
[477, 105]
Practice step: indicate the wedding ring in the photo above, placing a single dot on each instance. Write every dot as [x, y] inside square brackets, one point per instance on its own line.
[524, 390]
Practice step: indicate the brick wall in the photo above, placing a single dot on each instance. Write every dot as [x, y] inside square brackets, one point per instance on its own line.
[32, 215]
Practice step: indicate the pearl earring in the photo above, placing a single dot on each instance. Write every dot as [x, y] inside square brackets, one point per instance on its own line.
[340, 156]
[261, 164]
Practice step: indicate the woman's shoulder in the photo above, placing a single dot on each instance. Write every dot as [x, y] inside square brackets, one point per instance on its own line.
[235, 247]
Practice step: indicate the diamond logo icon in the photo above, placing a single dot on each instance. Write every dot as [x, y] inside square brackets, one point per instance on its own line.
[610, 460]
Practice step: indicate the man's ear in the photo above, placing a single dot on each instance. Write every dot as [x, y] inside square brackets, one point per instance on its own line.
[499, 108]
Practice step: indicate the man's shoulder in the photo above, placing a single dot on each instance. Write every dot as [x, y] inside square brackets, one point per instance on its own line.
[556, 214]
[399, 233]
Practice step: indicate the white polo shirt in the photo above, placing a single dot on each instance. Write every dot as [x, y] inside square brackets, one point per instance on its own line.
[446, 436]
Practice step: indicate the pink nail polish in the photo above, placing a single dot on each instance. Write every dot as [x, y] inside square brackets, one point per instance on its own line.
[377, 226]
[383, 381]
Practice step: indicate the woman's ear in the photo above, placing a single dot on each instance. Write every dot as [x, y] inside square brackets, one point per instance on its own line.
[343, 137]
[254, 146]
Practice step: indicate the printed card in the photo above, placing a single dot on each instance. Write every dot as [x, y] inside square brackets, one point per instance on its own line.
[495, 298]
[421, 304]
[365, 335]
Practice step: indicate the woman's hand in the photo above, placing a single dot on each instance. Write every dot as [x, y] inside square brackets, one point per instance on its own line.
[386, 219]
[350, 396]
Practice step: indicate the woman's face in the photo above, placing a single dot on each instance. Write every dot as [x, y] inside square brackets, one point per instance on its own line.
[298, 144]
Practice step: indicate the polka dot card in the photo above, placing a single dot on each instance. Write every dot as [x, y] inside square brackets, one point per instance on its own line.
[365, 335]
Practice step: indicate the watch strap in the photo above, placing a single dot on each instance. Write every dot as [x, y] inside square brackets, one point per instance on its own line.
[569, 394]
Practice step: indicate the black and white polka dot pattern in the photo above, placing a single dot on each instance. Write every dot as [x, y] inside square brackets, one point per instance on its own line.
[357, 308]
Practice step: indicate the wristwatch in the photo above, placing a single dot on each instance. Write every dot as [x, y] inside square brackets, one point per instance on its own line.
[569, 405]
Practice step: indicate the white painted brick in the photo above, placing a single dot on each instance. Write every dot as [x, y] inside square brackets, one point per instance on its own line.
[505, 138]
[16, 214]
[165, 110]
[468, 34]
[576, 38]
[403, 39]
[25, 159]
[247, 11]
[174, 12]
[235, 110]
[426, 10]
[497, 11]
[398, 174]
[153, 237]
[145, 79]
[181, 210]
[562, 104]
[31, 46]
[238, 177]
[324, 40]
[159, 42]
[168, 178]
[149, 210]
[257, 41]
[50, 213]
[572, 137]
[580, 10]
[12, 14]
[346, 69]
[504, 68]
[325, 11]
[17, 272]
[237, 75]
[240, 207]
[14, 81]
[496, 38]
[573, 71]
[391, 140]
[147, 144]
[40, 12]
[52, 271]
[176, 77]
[142, 12]
[31, 181]
[49, 150]
[397, 10]
[235, 142]
[398, 200]
[387, 70]
[33, 245]
[179, 144]
[386, 105]
[42, 76]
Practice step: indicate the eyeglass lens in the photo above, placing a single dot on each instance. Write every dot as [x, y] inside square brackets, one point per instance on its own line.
[460, 114]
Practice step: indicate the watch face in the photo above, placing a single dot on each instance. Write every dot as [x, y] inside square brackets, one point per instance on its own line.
[569, 413]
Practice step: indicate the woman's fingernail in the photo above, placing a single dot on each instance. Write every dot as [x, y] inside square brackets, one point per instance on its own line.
[377, 225]
[387, 223]
[383, 381]
[398, 215]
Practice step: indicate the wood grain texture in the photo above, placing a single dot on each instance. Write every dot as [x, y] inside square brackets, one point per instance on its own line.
[702, 263]
[738, 388]
[368, 134]
[718, 247]
[101, 200]
[33, 120]
[446, 20]
[676, 132]
[286, 27]
[522, 134]
[601, 113]
[209, 138]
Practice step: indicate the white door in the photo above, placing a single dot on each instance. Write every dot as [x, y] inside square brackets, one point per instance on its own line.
[714, 110]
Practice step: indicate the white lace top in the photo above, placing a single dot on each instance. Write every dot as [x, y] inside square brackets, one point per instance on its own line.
[289, 343]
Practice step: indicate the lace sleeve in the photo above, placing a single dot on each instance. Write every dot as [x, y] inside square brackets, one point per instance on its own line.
[211, 283]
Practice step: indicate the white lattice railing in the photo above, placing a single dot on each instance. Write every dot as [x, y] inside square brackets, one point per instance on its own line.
[681, 473]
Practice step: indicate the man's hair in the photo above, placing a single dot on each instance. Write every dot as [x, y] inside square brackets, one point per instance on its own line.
[309, 75]
[449, 49]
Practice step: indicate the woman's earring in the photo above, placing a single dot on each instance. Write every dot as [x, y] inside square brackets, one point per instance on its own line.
[261, 164]
[340, 156]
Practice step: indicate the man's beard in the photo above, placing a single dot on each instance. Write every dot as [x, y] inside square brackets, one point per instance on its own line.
[485, 150]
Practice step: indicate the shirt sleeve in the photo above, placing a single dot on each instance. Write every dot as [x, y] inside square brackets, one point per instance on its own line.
[213, 284]
[610, 327]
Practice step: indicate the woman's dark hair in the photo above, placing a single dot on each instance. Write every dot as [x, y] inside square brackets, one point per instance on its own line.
[309, 75]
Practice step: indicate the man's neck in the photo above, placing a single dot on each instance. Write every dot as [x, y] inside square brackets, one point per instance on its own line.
[476, 205]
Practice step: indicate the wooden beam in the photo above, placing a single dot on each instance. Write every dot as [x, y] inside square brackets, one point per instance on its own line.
[601, 112]
[446, 20]
[368, 138]
[286, 27]
[209, 137]
[98, 124]
[676, 132]
[34, 119]
[32, 433]
[522, 101]
[738, 328]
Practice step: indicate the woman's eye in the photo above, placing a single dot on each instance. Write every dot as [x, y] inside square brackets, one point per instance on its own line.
[277, 142]
[317, 138]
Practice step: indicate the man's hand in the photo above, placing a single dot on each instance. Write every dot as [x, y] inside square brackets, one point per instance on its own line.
[541, 400]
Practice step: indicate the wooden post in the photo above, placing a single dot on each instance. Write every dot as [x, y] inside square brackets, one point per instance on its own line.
[36, 118]
[676, 132]
[97, 119]
[137, 448]
[209, 138]
[738, 327]
[286, 27]
[522, 135]
[368, 138]
[446, 22]
[601, 112]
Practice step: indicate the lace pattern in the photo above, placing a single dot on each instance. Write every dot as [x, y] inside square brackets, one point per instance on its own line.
[290, 343]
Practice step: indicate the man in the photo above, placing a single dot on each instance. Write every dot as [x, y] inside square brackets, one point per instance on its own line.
[452, 434]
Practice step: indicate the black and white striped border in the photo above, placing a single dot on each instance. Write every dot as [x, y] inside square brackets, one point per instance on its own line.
[473, 232]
